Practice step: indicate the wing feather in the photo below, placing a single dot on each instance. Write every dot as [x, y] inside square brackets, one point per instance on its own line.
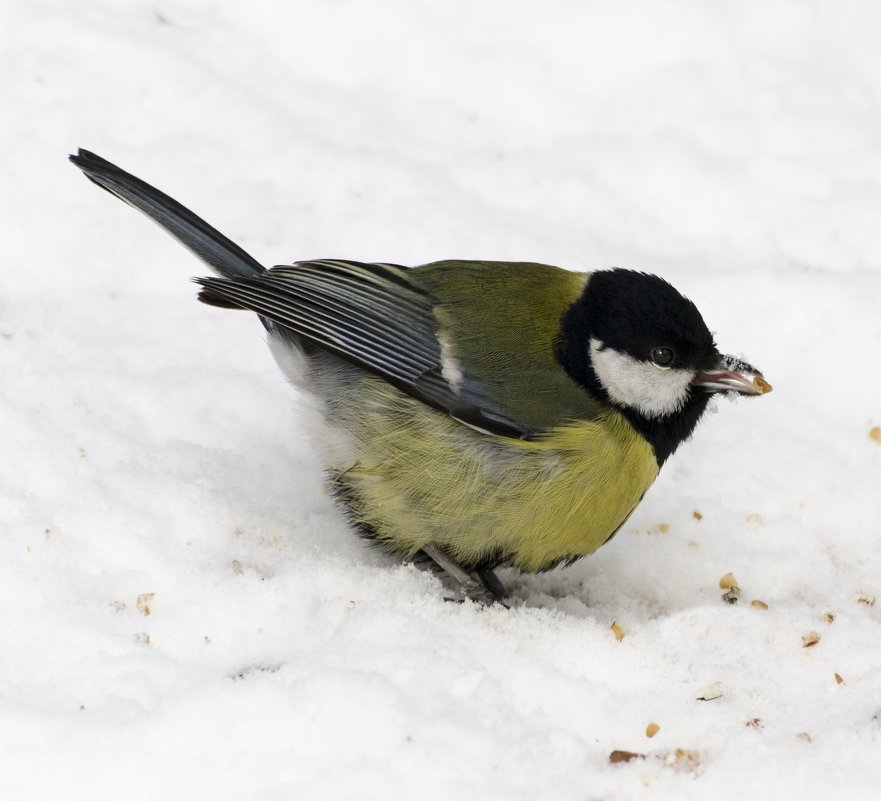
[383, 318]
[379, 350]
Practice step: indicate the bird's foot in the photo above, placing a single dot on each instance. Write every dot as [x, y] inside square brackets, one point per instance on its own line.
[480, 586]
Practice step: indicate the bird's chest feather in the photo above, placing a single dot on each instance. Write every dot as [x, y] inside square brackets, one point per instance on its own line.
[421, 478]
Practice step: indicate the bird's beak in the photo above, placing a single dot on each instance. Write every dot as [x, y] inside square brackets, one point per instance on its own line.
[732, 375]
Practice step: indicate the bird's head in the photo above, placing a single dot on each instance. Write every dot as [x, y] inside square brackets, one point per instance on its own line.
[635, 342]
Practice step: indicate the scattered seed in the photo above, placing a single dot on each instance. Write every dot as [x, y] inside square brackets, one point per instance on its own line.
[624, 756]
[682, 759]
[868, 600]
[810, 639]
[652, 729]
[829, 617]
[617, 631]
[875, 433]
[662, 528]
[144, 602]
[757, 604]
[728, 581]
[838, 679]
[711, 692]
[731, 596]
[803, 735]
[697, 515]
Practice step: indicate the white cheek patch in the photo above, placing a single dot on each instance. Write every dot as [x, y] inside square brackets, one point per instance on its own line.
[640, 385]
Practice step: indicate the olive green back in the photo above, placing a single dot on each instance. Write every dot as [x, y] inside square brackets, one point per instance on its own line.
[500, 323]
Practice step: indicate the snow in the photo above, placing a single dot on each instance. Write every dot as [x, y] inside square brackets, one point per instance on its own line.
[150, 446]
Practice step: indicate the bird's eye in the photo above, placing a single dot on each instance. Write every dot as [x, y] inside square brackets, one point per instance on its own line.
[662, 357]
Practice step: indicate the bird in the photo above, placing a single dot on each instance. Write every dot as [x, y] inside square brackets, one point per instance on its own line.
[476, 414]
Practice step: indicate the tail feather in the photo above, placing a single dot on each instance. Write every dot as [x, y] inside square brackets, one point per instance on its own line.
[220, 253]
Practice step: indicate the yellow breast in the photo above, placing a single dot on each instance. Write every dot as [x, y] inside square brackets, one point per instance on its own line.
[420, 478]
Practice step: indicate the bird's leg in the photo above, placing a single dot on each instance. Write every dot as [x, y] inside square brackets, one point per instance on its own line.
[492, 582]
[481, 586]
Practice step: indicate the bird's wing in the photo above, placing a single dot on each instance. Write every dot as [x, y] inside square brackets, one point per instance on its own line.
[500, 323]
[405, 327]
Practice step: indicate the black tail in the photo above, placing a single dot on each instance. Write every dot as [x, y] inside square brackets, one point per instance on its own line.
[222, 255]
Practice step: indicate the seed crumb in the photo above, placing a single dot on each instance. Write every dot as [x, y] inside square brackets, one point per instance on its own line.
[144, 603]
[683, 759]
[711, 692]
[617, 757]
[728, 581]
[731, 596]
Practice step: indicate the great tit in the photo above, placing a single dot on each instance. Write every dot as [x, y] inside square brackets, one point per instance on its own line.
[478, 414]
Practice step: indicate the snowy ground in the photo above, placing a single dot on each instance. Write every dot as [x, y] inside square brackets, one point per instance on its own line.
[185, 615]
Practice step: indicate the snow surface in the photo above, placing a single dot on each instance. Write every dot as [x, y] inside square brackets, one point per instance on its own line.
[150, 448]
